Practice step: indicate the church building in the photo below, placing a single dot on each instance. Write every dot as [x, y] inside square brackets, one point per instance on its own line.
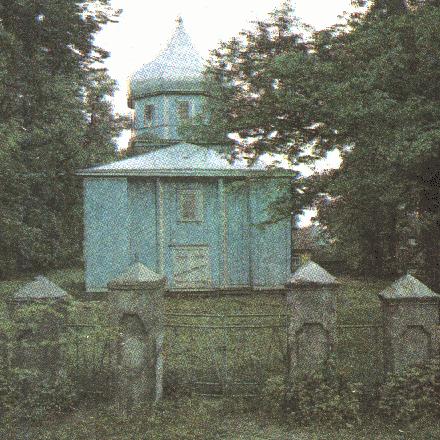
[181, 209]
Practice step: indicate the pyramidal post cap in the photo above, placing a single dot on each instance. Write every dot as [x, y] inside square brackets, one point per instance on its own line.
[40, 289]
[137, 276]
[312, 273]
[407, 288]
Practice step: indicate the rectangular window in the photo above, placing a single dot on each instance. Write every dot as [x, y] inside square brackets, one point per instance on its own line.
[190, 206]
[183, 109]
[148, 115]
[296, 261]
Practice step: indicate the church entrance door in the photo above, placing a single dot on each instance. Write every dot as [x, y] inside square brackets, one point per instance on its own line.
[191, 268]
[192, 235]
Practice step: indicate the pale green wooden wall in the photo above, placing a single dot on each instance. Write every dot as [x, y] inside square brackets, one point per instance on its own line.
[123, 224]
[106, 234]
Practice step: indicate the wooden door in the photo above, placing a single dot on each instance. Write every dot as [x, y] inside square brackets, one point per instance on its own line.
[191, 268]
[192, 235]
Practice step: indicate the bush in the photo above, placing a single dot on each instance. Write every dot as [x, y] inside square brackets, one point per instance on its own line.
[38, 373]
[324, 397]
[410, 395]
[29, 394]
[274, 396]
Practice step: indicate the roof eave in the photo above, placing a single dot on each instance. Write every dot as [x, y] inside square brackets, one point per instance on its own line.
[185, 173]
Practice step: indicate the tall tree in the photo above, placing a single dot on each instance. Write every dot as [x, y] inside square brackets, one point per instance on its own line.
[384, 104]
[369, 88]
[62, 118]
[247, 106]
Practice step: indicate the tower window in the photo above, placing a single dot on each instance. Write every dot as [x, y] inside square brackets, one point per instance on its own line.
[148, 115]
[183, 109]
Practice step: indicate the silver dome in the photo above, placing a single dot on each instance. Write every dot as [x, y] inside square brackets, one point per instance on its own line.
[178, 68]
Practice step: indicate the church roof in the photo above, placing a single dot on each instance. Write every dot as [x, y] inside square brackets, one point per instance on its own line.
[178, 68]
[182, 160]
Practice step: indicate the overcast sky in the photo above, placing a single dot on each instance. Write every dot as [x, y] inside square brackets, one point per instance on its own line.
[145, 27]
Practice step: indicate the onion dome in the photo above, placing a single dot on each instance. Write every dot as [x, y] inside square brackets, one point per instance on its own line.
[178, 68]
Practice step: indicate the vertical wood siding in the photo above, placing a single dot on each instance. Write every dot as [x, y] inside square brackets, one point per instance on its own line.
[107, 240]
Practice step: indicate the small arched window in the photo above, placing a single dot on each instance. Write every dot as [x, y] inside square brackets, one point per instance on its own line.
[148, 115]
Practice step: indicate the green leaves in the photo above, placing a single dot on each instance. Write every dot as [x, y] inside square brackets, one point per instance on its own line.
[371, 89]
[54, 119]
[411, 394]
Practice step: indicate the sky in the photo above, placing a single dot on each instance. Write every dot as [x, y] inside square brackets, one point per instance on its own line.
[145, 27]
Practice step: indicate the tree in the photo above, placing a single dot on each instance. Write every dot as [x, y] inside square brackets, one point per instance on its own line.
[369, 88]
[54, 102]
[383, 101]
[247, 106]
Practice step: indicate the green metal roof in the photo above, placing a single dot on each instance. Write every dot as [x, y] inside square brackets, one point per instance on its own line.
[137, 275]
[40, 289]
[184, 160]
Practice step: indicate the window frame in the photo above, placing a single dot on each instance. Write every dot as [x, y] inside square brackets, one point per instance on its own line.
[182, 118]
[148, 123]
[198, 203]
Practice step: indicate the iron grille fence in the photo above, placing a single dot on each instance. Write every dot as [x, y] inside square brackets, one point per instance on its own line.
[235, 354]
[91, 360]
[212, 354]
[359, 352]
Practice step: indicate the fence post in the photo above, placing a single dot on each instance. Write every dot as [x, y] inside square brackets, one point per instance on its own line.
[311, 303]
[137, 298]
[411, 318]
[38, 311]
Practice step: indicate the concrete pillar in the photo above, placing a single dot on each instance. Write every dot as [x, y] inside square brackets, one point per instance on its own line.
[38, 311]
[410, 312]
[311, 304]
[137, 299]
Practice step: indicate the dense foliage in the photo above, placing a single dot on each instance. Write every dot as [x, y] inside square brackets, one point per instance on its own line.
[383, 104]
[368, 87]
[50, 367]
[55, 118]
[412, 394]
[322, 397]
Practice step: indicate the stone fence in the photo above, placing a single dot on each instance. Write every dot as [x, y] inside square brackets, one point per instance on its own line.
[410, 319]
[410, 313]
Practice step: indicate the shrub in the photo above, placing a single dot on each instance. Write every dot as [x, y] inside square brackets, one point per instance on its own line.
[31, 395]
[274, 396]
[324, 397]
[412, 394]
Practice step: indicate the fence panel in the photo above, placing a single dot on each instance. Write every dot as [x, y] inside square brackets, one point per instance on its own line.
[90, 359]
[224, 354]
[359, 352]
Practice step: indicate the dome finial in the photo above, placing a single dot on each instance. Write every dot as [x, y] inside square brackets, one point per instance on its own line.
[179, 20]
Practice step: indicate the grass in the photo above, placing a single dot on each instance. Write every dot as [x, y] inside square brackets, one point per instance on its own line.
[357, 298]
[204, 419]
[196, 353]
